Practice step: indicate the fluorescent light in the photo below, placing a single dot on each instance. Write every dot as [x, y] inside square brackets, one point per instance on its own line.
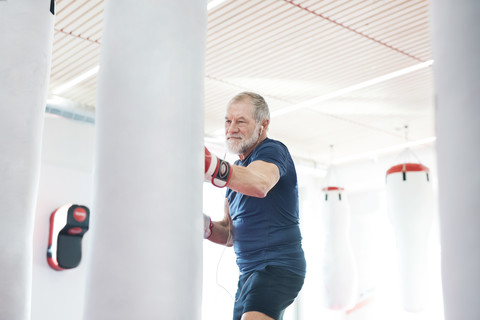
[378, 152]
[57, 100]
[340, 92]
[214, 3]
[355, 87]
[77, 80]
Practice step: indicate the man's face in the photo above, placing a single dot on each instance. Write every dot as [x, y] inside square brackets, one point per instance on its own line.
[241, 130]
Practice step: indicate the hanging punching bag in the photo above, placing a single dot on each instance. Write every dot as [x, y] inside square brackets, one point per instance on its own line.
[25, 52]
[147, 227]
[410, 209]
[340, 280]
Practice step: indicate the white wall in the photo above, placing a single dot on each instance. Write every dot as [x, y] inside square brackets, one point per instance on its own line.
[66, 177]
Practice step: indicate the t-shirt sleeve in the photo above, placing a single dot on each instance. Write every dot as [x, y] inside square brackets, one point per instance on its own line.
[275, 153]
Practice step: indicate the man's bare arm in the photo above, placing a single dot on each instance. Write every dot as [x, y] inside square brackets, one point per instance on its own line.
[255, 180]
[222, 230]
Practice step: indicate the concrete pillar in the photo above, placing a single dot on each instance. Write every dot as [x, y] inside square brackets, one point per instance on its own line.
[146, 222]
[25, 53]
[457, 85]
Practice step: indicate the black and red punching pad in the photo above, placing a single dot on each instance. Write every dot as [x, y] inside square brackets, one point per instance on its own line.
[68, 224]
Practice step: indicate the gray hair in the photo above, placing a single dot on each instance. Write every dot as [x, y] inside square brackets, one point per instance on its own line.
[260, 107]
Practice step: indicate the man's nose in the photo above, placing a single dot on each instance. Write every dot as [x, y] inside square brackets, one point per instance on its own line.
[233, 127]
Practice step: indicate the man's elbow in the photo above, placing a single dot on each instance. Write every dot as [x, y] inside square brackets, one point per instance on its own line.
[261, 191]
[259, 195]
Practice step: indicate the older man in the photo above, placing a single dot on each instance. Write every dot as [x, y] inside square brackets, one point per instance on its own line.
[261, 212]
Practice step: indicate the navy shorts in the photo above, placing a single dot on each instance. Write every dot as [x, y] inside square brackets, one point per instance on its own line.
[270, 291]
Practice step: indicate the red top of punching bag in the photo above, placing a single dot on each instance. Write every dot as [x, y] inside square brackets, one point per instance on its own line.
[332, 188]
[407, 167]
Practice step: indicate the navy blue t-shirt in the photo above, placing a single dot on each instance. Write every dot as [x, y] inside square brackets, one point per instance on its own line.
[266, 230]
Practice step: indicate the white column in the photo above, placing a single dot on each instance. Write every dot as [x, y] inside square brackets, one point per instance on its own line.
[146, 222]
[456, 29]
[25, 52]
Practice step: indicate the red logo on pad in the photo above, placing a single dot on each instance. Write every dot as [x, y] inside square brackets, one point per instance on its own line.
[79, 214]
[75, 230]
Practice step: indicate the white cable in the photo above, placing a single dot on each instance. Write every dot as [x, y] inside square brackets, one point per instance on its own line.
[218, 267]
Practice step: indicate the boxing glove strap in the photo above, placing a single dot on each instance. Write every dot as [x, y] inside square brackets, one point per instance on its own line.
[222, 175]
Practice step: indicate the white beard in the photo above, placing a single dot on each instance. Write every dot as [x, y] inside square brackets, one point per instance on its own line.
[242, 146]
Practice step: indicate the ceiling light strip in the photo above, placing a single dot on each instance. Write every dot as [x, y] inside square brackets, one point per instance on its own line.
[214, 3]
[355, 87]
[384, 151]
[84, 76]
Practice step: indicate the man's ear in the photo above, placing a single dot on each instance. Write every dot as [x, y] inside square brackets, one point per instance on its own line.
[265, 124]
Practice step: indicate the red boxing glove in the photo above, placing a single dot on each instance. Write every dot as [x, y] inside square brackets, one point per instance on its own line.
[217, 171]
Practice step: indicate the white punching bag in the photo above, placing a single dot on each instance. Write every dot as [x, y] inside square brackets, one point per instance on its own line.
[410, 209]
[340, 280]
[147, 227]
[455, 27]
[26, 31]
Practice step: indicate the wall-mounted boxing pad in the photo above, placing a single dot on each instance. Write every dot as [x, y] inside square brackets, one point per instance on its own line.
[68, 224]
